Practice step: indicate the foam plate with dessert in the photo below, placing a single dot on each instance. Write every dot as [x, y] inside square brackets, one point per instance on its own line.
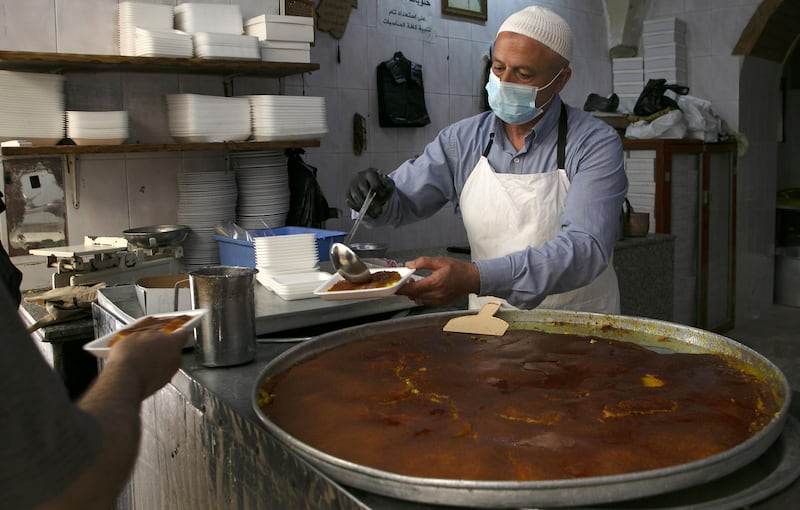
[168, 322]
[383, 282]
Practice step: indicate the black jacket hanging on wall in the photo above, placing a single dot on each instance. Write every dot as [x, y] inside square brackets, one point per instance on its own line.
[401, 97]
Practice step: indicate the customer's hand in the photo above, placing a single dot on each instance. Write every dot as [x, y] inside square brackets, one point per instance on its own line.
[150, 357]
[450, 279]
[362, 183]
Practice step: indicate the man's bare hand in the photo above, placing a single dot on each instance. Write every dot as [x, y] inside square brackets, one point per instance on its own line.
[450, 279]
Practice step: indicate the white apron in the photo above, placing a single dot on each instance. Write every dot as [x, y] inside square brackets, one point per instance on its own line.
[504, 213]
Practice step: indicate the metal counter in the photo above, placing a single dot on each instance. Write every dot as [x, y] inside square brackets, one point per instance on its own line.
[203, 447]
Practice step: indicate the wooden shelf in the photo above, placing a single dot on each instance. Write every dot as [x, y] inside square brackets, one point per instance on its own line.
[169, 147]
[72, 62]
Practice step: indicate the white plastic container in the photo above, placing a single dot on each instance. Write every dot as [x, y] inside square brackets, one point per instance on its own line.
[627, 64]
[664, 63]
[636, 76]
[672, 75]
[671, 24]
[656, 38]
[672, 50]
[202, 17]
[269, 27]
[628, 88]
[284, 51]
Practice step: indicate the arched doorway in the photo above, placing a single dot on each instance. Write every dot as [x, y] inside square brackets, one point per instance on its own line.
[769, 89]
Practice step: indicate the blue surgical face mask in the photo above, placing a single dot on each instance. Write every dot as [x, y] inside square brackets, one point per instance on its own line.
[512, 102]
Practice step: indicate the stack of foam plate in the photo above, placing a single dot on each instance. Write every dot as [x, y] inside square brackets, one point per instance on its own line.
[278, 118]
[207, 17]
[227, 46]
[32, 107]
[97, 128]
[143, 15]
[195, 118]
[163, 43]
[290, 253]
[263, 181]
[205, 199]
[290, 286]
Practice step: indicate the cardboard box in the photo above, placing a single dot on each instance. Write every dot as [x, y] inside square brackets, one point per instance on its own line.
[156, 294]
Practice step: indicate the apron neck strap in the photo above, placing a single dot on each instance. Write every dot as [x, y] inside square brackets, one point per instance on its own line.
[561, 157]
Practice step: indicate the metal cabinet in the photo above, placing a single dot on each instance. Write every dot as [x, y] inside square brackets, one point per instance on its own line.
[689, 189]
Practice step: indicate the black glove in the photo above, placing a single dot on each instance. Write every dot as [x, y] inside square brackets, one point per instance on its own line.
[365, 180]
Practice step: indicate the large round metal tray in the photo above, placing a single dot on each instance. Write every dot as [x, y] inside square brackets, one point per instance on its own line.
[553, 493]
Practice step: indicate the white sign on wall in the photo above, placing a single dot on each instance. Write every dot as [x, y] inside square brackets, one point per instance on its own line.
[406, 18]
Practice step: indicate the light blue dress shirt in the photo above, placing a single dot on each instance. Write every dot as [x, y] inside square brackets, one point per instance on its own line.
[589, 224]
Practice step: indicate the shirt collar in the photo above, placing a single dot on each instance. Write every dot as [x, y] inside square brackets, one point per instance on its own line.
[546, 124]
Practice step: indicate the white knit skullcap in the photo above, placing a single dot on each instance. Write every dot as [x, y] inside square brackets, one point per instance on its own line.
[542, 25]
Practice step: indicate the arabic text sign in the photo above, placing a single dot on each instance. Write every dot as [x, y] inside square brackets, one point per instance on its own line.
[406, 18]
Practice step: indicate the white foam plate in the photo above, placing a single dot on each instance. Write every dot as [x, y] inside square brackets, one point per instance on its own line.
[323, 292]
[100, 348]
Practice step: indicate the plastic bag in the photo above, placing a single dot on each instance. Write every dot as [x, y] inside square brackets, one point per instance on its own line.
[307, 204]
[701, 122]
[669, 125]
[597, 103]
[652, 99]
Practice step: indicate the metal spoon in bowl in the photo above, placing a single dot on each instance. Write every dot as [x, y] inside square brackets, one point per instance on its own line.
[345, 260]
[348, 264]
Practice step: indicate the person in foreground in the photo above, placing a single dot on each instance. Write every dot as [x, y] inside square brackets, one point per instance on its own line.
[539, 185]
[60, 454]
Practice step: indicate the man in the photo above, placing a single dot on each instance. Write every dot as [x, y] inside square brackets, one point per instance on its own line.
[61, 455]
[10, 276]
[539, 185]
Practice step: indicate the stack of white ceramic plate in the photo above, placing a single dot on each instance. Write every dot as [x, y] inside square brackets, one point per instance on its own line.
[97, 128]
[205, 199]
[263, 180]
[207, 17]
[163, 43]
[227, 46]
[143, 15]
[290, 286]
[278, 118]
[195, 118]
[32, 107]
[291, 253]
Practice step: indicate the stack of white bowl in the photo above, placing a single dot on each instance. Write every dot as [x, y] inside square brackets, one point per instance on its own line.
[163, 43]
[32, 107]
[195, 118]
[290, 253]
[143, 15]
[288, 265]
[206, 17]
[263, 182]
[276, 117]
[227, 46]
[97, 128]
[205, 199]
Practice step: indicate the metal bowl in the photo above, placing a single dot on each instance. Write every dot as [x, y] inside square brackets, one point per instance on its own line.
[154, 236]
[370, 250]
[543, 493]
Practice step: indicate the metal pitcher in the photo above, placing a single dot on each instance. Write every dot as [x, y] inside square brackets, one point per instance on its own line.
[227, 333]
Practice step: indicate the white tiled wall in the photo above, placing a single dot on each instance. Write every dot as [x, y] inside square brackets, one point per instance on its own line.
[126, 191]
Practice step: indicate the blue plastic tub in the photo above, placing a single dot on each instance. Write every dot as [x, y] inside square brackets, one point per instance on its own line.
[239, 252]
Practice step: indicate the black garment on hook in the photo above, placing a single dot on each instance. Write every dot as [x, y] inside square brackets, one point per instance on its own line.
[401, 96]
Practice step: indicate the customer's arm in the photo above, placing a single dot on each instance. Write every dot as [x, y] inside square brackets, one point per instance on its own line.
[137, 367]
